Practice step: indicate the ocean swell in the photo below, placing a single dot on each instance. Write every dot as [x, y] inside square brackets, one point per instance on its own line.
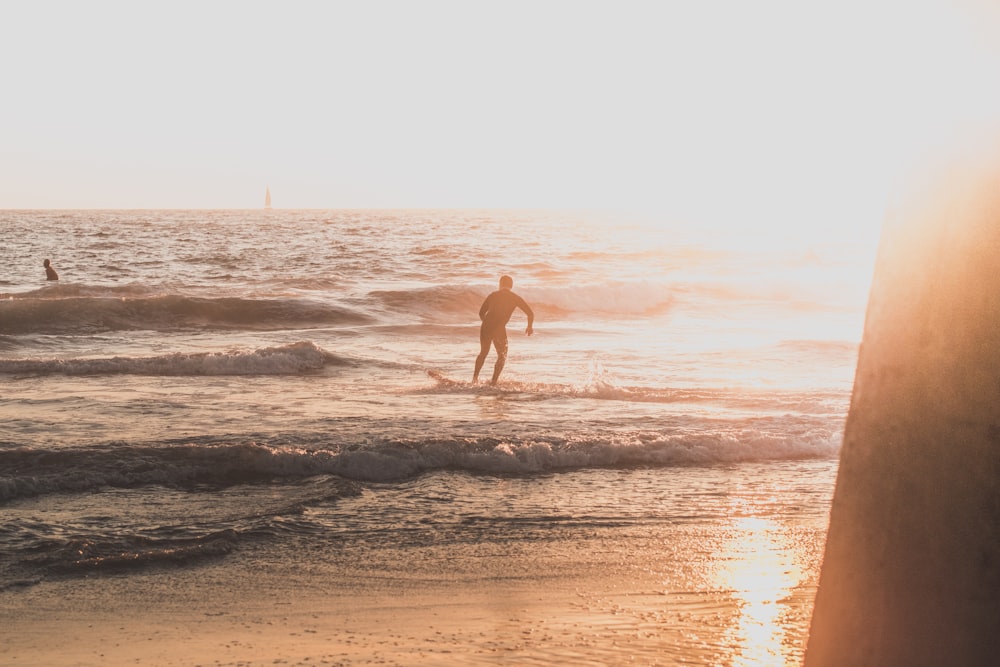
[612, 299]
[89, 314]
[292, 359]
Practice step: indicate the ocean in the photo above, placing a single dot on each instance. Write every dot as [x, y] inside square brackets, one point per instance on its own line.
[231, 391]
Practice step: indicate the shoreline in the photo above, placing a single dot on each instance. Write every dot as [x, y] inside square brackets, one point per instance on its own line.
[732, 585]
[596, 603]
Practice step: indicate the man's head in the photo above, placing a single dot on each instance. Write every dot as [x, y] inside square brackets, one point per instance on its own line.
[45, 264]
[506, 282]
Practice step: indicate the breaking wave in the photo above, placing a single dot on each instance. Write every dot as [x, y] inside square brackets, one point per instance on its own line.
[58, 314]
[293, 359]
[31, 472]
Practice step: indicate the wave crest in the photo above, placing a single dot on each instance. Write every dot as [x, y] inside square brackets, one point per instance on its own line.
[33, 472]
[293, 359]
[613, 299]
[89, 314]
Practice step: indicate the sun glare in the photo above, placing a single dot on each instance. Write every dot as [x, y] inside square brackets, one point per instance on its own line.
[758, 568]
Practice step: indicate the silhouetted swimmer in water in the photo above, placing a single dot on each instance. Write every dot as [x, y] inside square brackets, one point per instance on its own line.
[50, 273]
[495, 313]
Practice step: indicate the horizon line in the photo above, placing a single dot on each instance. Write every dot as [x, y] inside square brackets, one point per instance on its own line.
[311, 208]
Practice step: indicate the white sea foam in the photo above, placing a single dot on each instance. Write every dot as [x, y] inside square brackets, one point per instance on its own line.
[603, 389]
[39, 472]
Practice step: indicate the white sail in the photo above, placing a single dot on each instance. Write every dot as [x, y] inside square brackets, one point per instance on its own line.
[267, 197]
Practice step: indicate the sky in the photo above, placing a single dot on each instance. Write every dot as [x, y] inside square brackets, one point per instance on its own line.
[772, 115]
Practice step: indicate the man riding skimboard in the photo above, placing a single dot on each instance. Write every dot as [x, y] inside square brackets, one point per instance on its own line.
[495, 313]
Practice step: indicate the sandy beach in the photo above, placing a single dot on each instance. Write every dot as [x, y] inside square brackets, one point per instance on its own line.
[456, 626]
[602, 601]
[526, 625]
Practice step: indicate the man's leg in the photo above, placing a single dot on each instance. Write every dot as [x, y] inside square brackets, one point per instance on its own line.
[500, 343]
[484, 349]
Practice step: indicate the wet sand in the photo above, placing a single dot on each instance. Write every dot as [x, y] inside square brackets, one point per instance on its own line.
[526, 625]
[599, 602]
[453, 627]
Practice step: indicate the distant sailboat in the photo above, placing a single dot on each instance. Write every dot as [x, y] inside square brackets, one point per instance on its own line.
[267, 197]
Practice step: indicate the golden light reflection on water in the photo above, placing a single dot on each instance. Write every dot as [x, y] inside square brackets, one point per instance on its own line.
[757, 566]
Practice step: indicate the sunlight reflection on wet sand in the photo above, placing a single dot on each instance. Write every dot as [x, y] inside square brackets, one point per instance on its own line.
[759, 570]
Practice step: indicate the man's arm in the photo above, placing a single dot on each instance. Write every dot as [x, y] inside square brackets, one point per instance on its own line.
[523, 305]
[484, 308]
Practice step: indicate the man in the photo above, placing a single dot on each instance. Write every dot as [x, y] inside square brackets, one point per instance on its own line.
[50, 273]
[495, 313]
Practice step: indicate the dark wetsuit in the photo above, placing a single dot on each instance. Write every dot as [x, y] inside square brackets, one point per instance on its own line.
[495, 313]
